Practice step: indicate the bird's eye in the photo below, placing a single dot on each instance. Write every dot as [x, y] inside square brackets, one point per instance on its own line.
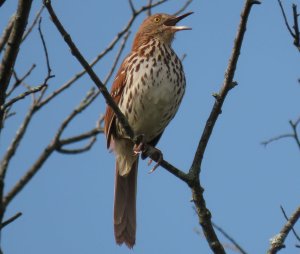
[156, 19]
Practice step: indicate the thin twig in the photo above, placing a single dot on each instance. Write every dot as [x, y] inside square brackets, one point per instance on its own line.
[132, 6]
[23, 95]
[296, 26]
[80, 137]
[295, 135]
[15, 142]
[149, 10]
[19, 80]
[277, 242]
[285, 19]
[29, 30]
[49, 70]
[227, 236]
[45, 48]
[49, 149]
[282, 136]
[10, 220]
[117, 58]
[86, 148]
[295, 34]
[183, 8]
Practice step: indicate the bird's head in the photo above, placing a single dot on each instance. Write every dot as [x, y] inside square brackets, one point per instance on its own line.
[160, 26]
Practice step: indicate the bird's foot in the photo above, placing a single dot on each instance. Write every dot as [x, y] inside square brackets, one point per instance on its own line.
[139, 147]
[156, 154]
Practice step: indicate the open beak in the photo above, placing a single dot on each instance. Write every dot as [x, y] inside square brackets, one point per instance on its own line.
[174, 20]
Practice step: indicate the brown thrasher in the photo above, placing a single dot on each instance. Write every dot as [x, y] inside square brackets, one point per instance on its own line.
[148, 89]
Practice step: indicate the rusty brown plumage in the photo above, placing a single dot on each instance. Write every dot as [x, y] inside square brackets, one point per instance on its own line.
[148, 89]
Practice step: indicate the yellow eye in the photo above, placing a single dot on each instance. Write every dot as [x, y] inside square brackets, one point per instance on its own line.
[156, 19]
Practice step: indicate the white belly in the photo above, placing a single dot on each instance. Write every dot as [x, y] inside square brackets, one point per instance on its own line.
[151, 99]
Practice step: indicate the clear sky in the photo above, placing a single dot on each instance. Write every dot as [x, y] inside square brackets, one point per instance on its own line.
[67, 207]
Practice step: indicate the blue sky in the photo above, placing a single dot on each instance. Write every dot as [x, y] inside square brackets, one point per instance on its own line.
[67, 207]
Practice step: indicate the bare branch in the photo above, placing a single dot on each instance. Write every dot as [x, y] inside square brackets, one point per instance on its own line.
[227, 86]
[296, 27]
[10, 220]
[295, 34]
[86, 148]
[132, 6]
[285, 19]
[15, 142]
[45, 50]
[19, 80]
[12, 49]
[282, 136]
[117, 58]
[149, 10]
[29, 30]
[203, 213]
[277, 242]
[286, 217]
[30, 173]
[227, 236]
[49, 71]
[23, 95]
[88, 99]
[89, 134]
[294, 134]
[89, 70]
[46, 153]
[2, 2]
[183, 8]
[6, 33]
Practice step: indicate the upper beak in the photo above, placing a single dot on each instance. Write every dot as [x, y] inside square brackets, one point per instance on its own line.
[173, 21]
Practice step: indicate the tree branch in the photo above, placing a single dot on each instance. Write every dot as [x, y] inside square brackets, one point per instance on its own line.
[12, 49]
[294, 134]
[227, 236]
[10, 220]
[53, 146]
[19, 80]
[6, 33]
[86, 148]
[194, 172]
[29, 30]
[295, 34]
[23, 95]
[277, 242]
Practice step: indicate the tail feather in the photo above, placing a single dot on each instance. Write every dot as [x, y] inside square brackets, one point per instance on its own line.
[125, 201]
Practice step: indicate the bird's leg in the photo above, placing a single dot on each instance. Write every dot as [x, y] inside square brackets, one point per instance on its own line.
[141, 147]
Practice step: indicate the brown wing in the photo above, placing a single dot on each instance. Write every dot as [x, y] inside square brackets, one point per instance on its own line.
[116, 93]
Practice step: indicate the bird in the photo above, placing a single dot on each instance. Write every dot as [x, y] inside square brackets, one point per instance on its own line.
[148, 89]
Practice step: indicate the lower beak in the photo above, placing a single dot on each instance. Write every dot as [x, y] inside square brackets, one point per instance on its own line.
[173, 21]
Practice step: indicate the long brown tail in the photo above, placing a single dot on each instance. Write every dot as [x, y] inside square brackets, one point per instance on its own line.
[125, 205]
